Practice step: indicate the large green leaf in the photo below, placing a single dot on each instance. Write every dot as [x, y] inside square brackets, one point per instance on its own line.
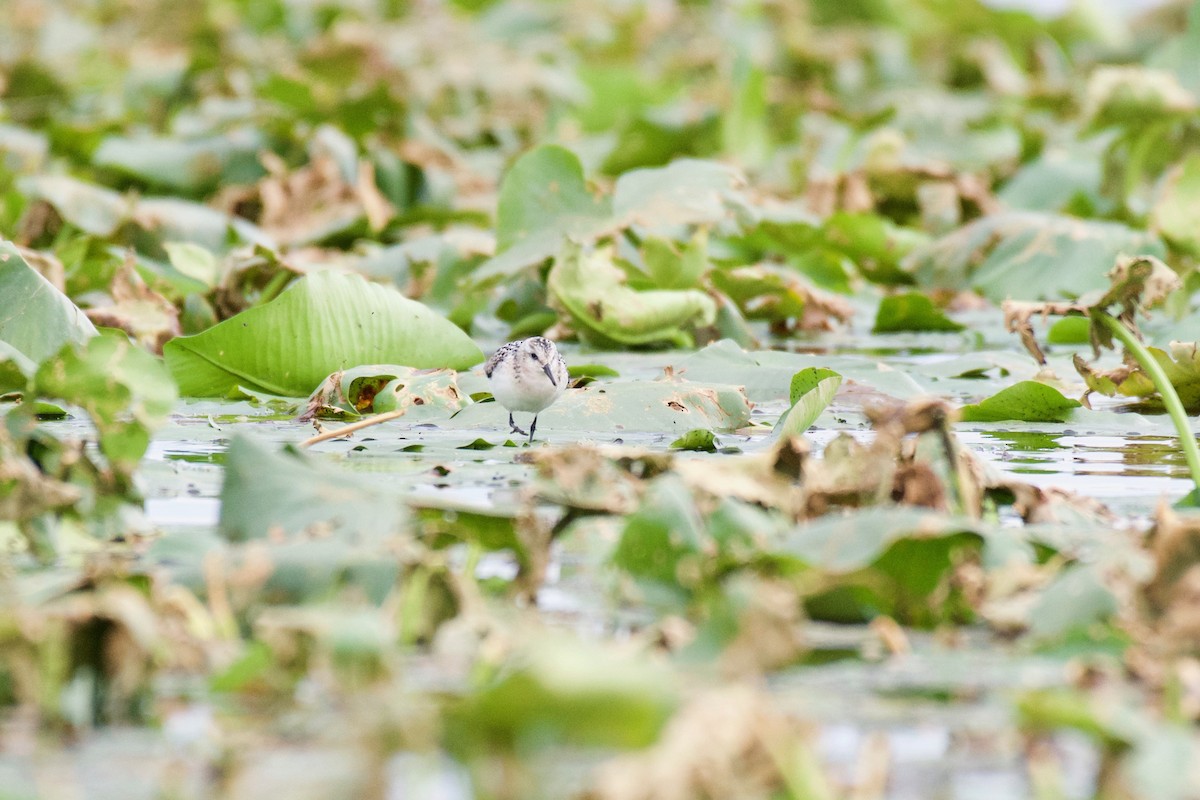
[1022, 255]
[36, 319]
[604, 310]
[325, 322]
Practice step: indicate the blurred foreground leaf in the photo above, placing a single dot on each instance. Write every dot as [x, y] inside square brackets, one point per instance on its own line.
[36, 319]
[560, 690]
[272, 493]
[893, 561]
[126, 392]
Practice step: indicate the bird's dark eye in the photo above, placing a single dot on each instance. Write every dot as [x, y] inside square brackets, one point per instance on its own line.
[533, 356]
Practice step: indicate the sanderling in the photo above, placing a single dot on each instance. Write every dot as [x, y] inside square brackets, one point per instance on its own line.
[526, 375]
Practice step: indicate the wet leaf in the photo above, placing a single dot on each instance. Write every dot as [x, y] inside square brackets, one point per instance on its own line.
[1027, 401]
[323, 323]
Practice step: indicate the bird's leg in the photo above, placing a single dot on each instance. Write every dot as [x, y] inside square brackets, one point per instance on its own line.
[514, 427]
[532, 428]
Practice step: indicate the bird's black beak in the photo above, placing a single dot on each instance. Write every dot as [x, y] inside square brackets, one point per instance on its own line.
[549, 373]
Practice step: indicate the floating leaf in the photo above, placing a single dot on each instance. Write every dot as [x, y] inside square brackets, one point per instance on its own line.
[1026, 401]
[93, 209]
[378, 388]
[611, 409]
[189, 166]
[325, 322]
[699, 440]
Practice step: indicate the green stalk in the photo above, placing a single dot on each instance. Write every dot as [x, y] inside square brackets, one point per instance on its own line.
[1179, 417]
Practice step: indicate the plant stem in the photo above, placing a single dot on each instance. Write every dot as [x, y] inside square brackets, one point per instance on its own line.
[1179, 417]
[346, 430]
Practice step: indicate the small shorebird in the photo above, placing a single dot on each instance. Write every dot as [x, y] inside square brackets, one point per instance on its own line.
[526, 375]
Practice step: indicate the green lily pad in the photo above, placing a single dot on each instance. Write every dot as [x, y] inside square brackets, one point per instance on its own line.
[93, 209]
[544, 199]
[1026, 401]
[188, 166]
[610, 409]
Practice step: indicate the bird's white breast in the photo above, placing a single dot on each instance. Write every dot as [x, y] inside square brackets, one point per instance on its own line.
[519, 388]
